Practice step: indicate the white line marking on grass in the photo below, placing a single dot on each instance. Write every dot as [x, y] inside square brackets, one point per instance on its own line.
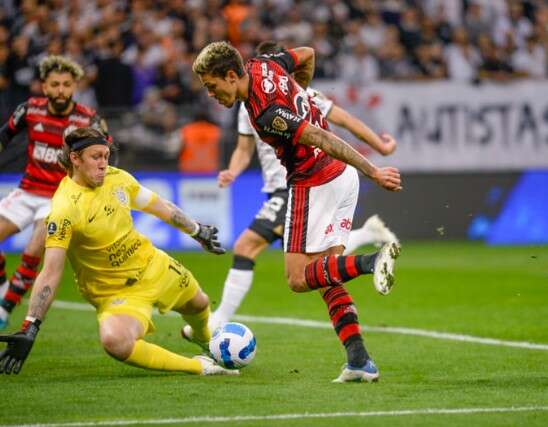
[327, 325]
[196, 420]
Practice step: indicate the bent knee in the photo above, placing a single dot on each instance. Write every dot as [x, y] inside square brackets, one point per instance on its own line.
[297, 283]
[117, 346]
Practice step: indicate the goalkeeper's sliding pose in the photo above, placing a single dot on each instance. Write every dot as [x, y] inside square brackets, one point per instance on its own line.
[117, 269]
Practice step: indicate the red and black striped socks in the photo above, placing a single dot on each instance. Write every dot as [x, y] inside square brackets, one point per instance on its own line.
[21, 281]
[334, 270]
[344, 318]
[2, 268]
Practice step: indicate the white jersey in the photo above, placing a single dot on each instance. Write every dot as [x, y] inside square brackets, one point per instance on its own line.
[274, 174]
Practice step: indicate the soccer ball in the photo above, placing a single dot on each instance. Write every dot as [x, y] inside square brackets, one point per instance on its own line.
[233, 345]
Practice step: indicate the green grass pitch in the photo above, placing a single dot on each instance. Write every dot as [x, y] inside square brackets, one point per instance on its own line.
[459, 288]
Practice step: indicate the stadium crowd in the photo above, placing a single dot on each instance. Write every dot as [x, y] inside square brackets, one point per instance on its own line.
[137, 54]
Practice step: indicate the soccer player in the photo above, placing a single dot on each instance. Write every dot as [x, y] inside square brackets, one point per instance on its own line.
[44, 119]
[117, 269]
[323, 190]
[267, 226]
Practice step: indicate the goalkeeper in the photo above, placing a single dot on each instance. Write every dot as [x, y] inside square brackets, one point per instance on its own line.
[117, 269]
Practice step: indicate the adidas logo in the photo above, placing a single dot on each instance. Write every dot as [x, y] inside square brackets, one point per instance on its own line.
[38, 127]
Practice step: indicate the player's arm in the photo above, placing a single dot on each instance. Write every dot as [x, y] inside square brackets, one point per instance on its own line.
[171, 214]
[239, 161]
[384, 143]
[387, 177]
[43, 293]
[13, 126]
[305, 63]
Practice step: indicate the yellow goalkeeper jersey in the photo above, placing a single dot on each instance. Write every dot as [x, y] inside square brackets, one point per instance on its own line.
[95, 225]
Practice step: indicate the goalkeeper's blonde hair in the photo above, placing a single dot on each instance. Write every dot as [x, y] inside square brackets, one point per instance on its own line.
[59, 64]
[71, 135]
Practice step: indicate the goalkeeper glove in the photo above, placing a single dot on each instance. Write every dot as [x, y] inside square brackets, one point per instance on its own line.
[207, 237]
[19, 346]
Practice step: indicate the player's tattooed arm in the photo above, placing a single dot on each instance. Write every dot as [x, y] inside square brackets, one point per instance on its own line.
[336, 148]
[47, 282]
[304, 71]
[172, 214]
[181, 220]
[388, 177]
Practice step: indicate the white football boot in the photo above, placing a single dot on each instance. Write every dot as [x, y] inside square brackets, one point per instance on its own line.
[383, 272]
[210, 367]
[376, 229]
[368, 373]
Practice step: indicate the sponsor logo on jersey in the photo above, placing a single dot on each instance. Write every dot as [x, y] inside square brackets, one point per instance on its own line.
[38, 127]
[288, 115]
[63, 231]
[121, 195]
[44, 153]
[268, 86]
[77, 118]
[38, 111]
[283, 84]
[52, 228]
[279, 124]
[109, 210]
[76, 197]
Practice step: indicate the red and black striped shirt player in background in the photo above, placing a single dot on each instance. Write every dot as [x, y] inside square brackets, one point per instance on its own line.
[44, 119]
[322, 180]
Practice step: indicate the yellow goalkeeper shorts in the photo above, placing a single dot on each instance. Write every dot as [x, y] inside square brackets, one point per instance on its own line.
[166, 284]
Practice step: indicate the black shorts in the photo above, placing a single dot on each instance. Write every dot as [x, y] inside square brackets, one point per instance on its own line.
[270, 220]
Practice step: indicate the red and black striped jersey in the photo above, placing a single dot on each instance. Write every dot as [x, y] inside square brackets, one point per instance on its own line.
[45, 136]
[279, 109]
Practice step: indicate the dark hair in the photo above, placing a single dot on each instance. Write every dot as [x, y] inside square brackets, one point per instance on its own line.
[217, 59]
[268, 46]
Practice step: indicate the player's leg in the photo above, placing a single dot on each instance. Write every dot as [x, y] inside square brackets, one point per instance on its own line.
[15, 215]
[320, 218]
[240, 276]
[122, 335]
[373, 231]
[25, 274]
[266, 228]
[7, 229]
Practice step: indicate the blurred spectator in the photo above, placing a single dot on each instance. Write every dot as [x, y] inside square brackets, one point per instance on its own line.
[462, 58]
[476, 21]
[514, 23]
[200, 141]
[114, 82]
[235, 12]
[494, 66]
[373, 30]
[153, 125]
[21, 71]
[394, 64]
[531, 59]
[171, 85]
[4, 84]
[429, 62]
[359, 67]
[410, 29]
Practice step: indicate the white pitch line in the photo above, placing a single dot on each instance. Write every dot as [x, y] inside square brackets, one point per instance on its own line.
[327, 325]
[207, 419]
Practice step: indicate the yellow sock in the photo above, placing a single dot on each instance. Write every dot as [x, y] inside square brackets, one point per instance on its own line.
[198, 322]
[151, 356]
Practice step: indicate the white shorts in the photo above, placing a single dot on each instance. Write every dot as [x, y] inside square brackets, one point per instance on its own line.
[319, 218]
[24, 208]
